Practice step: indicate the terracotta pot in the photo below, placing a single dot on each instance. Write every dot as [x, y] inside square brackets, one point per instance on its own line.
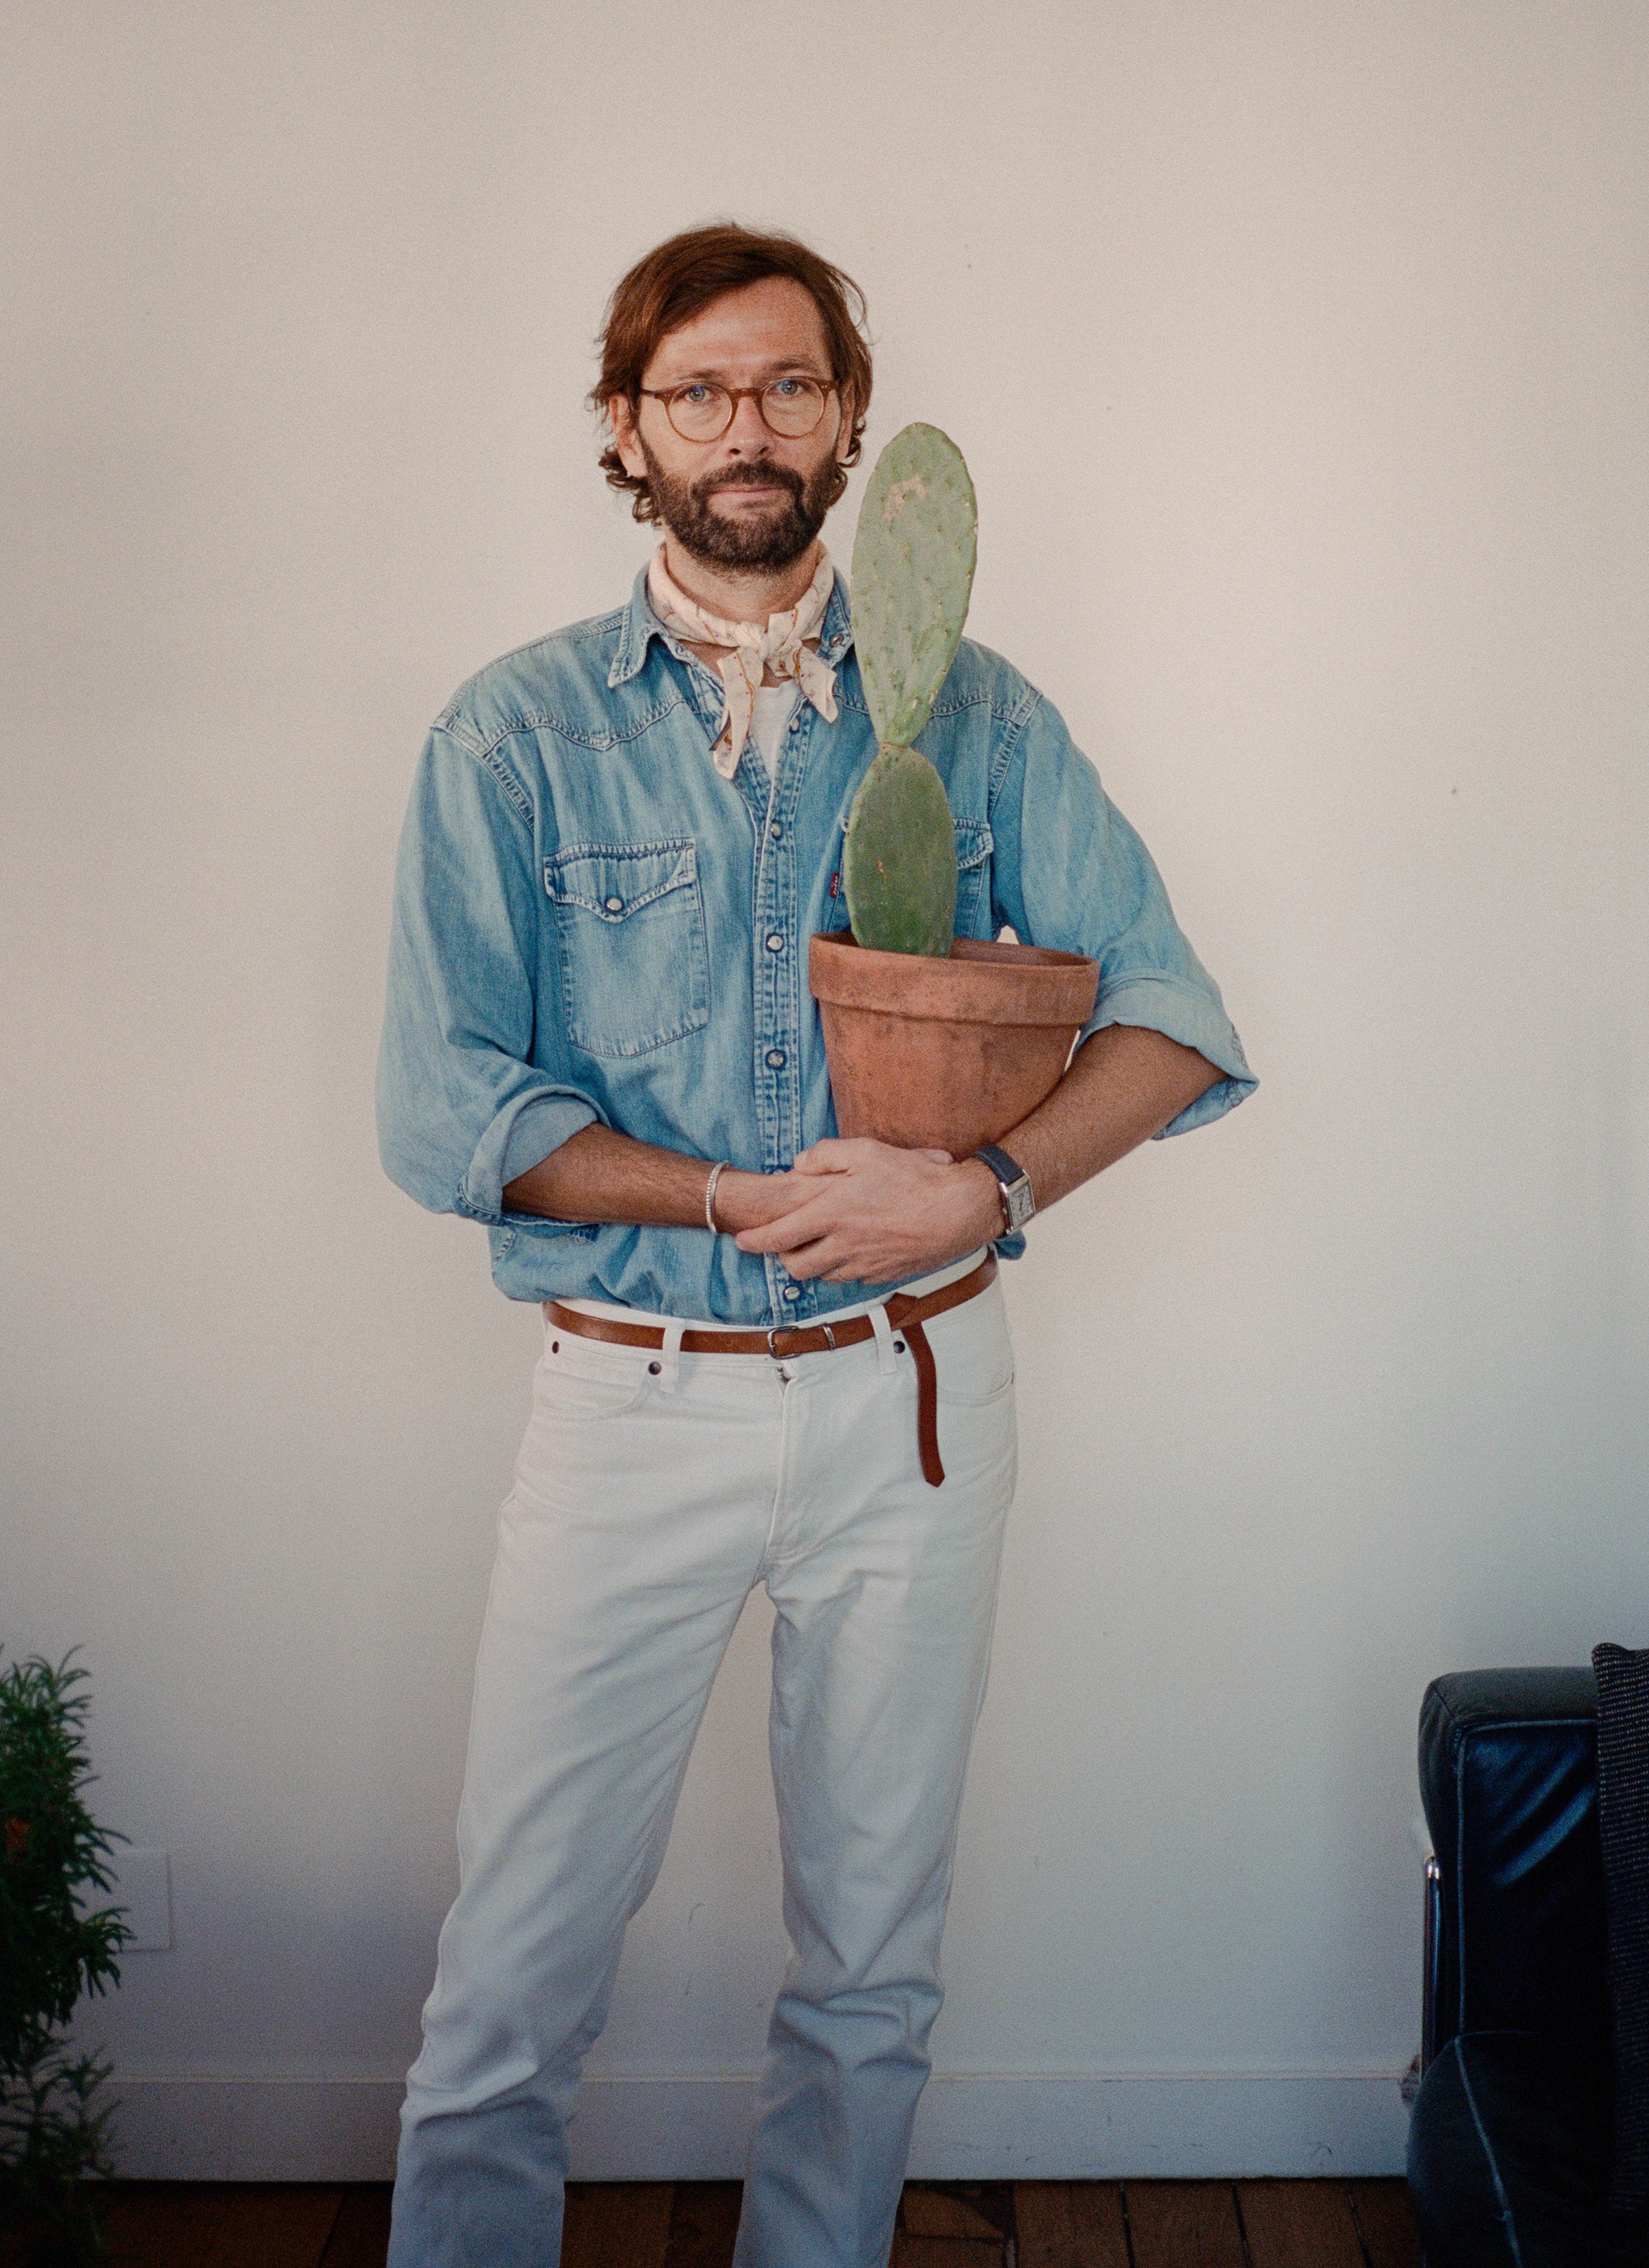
[946, 1055]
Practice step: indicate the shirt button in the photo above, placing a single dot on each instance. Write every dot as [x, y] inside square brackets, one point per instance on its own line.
[795, 724]
[775, 833]
[775, 940]
[615, 905]
[792, 1290]
[776, 1058]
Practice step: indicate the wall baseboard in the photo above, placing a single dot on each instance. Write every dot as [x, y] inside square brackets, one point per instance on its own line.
[972, 2126]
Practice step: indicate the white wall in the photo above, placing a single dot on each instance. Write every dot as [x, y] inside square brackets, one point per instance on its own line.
[1299, 353]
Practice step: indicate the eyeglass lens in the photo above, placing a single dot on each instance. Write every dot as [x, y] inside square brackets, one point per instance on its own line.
[790, 406]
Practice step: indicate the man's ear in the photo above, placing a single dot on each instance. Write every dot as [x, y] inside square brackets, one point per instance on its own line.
[622, 417]
[844, 436]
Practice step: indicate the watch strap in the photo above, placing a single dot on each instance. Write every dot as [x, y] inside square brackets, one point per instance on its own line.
[1018, 1202]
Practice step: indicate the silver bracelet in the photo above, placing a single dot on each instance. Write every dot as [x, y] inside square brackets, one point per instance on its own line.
[716, 1173]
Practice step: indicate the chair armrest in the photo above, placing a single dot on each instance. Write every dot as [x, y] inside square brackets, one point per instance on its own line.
[1508, 1778]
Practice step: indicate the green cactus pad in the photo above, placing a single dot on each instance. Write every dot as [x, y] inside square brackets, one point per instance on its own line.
[899, 863]
[913, 572]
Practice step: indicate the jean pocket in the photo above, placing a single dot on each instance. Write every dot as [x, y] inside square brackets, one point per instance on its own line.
[574, 1385]
[973, 1355]
[629, 932]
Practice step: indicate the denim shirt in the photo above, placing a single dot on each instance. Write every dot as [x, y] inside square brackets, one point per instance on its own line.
[591, 925]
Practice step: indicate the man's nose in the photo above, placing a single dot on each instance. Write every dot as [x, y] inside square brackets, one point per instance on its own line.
[746, 429]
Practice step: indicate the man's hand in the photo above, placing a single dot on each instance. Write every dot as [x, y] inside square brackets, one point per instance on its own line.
[882, 1213]
[879, 1214]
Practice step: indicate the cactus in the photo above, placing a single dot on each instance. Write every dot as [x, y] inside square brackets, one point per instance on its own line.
[899, 864]
[913, 570]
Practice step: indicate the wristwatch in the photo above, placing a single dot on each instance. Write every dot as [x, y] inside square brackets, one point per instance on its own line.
[1018, 1202]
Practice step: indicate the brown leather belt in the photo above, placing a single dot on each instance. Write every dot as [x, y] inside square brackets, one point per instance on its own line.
[906, 1315]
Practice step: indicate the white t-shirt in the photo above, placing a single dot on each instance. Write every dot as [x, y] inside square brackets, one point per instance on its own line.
[771, 709]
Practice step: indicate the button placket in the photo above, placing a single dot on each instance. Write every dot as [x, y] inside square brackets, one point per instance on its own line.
[705, 691]
[777, 976]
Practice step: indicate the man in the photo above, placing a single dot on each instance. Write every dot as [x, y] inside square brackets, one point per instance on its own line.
[599, 1042]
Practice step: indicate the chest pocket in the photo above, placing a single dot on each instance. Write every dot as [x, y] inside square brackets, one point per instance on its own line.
[974, 844]
[630, 930]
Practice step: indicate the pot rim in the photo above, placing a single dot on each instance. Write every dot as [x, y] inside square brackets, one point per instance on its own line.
[983, 982]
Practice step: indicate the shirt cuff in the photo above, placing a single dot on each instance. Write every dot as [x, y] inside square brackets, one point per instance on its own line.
[1154, 1001]
[521, 1136]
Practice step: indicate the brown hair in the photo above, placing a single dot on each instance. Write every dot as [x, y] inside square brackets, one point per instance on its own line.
[683, 275]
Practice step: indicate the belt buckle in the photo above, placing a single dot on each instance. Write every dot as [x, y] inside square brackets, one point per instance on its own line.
[796, 1331]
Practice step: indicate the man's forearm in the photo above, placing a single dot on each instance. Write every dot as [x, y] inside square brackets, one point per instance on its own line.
[597, 1174]
[1123, 1086]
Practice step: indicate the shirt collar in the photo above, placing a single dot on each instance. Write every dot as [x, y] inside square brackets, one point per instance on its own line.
[639, 625]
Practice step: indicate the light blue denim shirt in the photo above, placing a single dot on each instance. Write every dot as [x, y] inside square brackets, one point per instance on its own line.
[591, 925]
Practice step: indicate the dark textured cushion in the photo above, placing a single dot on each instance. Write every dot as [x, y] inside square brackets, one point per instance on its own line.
[1623, 1784]
[1508, 2158]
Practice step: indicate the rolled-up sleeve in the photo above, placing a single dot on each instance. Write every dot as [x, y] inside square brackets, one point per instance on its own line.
[462, 1110]
[1069, 872]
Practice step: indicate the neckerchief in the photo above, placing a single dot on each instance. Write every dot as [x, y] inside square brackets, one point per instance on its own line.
[780, 645]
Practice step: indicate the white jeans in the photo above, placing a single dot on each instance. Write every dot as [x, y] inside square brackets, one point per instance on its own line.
[652, 1494]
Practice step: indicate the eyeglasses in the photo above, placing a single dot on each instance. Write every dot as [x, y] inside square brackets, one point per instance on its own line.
[789, 407]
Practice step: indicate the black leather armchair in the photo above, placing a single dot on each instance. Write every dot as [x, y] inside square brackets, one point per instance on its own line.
[1509, 2144]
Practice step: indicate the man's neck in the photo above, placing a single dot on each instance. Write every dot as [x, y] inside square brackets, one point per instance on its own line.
[737, 594]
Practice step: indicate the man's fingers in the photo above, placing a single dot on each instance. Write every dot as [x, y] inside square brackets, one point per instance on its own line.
[807, 1263]
[838, 1261]
[783, 1193]
[830, 1156]
[834, 1262]
[865, 1205]
[809, 1218]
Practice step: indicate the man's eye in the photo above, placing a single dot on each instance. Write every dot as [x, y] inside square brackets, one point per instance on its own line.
[786, 389]
[695, 396]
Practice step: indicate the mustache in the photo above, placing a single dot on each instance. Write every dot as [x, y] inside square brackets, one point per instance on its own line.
[761, 474]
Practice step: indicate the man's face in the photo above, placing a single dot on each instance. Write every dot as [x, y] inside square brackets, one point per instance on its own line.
[750, 498]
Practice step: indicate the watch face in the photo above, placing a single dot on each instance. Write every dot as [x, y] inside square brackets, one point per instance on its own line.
[1021, 1204]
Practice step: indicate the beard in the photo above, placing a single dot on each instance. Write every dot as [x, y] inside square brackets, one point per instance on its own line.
[776, 540]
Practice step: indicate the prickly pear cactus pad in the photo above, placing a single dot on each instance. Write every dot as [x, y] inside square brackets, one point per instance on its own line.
[913, 572]
[899, 863]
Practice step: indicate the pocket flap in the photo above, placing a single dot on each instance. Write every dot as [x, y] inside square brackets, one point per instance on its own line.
[974, 842]
[614, 880]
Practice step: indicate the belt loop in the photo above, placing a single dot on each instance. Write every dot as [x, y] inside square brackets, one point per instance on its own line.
[884, 1331]
[671, 1352]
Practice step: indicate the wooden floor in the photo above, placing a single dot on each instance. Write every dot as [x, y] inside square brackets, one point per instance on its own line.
[1282, 2224]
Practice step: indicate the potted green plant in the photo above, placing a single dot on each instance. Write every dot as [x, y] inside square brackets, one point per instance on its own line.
[54, 2137]
[933, 1040]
